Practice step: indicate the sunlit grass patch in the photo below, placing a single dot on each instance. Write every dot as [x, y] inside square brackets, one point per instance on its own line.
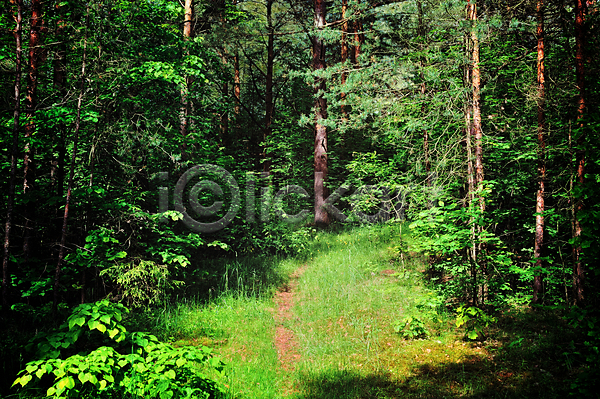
[350, 322]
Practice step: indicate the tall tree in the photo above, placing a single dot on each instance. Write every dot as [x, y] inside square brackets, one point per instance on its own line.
[35, 60]
[184, 112]
[70, 184]
[541, 131]
[476, 130]
[474, 138]
[60, 87]
[359, 37]
[421, 34]
[344, 54]
[580, 48]
[269, 83]
[318, 50]
[14, 150]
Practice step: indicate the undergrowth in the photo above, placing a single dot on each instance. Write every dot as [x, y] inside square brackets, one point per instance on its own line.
[367, 323]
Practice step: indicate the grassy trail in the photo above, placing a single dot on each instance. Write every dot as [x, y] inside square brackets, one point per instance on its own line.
[329, 333]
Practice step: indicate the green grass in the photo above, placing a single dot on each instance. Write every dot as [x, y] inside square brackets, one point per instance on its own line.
[355, 288]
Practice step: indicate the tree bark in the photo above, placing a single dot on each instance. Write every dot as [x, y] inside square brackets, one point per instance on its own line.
[476, 85]
[237, 83]
[35, 60]
[184, 112]
[321, 192]
[539, 247]
[14, 151]
[63, 238]
[359, 38]
[269, 107]
[421, 32]
[57, 171]
[578, 266]
[344, 55]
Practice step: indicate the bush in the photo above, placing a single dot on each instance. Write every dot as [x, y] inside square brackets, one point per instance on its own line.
[135, 365]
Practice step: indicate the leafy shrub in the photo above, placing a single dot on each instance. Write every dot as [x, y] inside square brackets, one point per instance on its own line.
[132, 364]
[412, 327]
[475, 320]
[141, 281]
[428, 308]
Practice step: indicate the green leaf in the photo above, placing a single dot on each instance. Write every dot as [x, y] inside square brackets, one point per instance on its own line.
[180, 362]
[40, 373]
[31, 368]
[472, 335]
[80, 321]
[170, 374]
[67, 382]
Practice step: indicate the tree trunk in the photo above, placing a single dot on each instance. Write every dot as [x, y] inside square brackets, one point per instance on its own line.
[344, 55]
[422, 40]
[35, 60]
[359, 38]
[237, 84]
[478, 145]
[14, 152]
[538, 251]
[475, 154]
[63, 238]
[476, 79]
[321, 192]
[578, 266]
[60, 87]
[269, 84]
[184, 111]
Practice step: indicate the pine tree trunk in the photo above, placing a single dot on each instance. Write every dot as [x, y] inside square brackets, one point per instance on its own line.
[475, 155]
[14, 152]
[476, 130]
[321, 192]
[541, 130]
[359, 38]
[184, 111]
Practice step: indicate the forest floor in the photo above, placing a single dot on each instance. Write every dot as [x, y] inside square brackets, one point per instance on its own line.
[330, 331]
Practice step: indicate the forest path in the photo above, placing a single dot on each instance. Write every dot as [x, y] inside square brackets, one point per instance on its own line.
[285, 340]
[357, 320]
